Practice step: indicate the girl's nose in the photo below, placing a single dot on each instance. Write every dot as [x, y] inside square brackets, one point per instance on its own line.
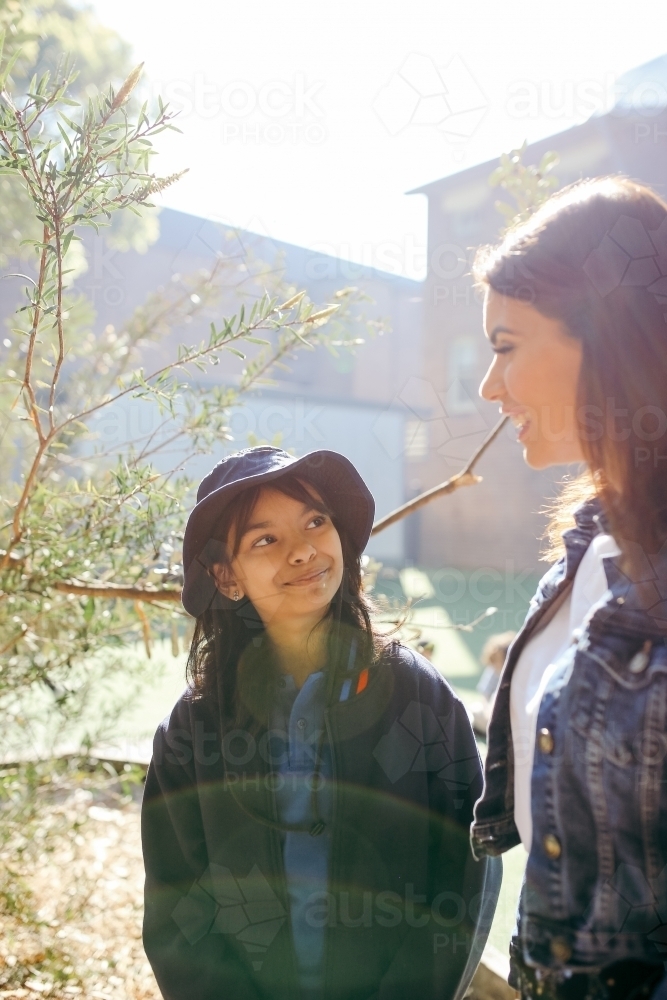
[303, 552]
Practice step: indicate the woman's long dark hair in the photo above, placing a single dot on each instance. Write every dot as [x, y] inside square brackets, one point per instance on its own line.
[594, 256]
[230, 658]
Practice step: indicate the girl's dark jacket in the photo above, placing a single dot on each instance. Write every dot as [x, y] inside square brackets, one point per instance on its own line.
[408, 908]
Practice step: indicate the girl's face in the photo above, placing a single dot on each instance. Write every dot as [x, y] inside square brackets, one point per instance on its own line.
[289, 561]
[533, 376]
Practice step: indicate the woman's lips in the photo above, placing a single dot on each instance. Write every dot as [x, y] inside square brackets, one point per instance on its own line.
[304, 581]
[523, 431]
[521, 422]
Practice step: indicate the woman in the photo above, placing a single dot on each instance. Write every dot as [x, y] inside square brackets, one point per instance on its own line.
[306, 810]
[576, 315]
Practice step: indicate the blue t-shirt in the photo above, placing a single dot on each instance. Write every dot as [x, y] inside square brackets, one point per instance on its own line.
[297, 722]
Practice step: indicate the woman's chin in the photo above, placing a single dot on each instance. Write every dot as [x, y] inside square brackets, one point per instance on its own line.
[533, 458]
[537, 456]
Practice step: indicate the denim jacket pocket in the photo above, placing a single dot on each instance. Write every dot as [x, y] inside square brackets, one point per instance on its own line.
[619, 716]
[620, 698]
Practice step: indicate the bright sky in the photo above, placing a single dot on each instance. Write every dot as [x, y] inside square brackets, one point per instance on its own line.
[309, 121]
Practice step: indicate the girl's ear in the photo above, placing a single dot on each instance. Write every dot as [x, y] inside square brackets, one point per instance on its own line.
[225, 582]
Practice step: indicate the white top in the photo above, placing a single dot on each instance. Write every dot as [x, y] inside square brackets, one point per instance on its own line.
[536, 665]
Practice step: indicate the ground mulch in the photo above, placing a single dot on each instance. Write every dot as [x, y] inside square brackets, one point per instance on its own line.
[71, 886]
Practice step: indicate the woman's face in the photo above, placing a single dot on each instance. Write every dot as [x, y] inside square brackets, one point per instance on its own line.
[533, 376]
[289, 560]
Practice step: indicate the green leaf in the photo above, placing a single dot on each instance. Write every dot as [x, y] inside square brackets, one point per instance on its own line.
[89, 609]
[66, 242]
[8, 68]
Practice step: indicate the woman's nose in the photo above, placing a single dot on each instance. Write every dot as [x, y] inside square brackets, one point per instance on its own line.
[492, 385]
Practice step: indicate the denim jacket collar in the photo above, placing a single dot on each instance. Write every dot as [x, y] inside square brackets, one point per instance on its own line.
[494, 830]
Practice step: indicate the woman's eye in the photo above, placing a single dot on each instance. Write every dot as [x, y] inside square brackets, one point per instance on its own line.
[319, 520]
[504, 349]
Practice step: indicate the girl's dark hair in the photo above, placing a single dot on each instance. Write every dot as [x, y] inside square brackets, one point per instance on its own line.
[594, 256]
[230, 657]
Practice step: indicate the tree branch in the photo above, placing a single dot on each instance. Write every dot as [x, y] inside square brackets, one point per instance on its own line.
[112, 590]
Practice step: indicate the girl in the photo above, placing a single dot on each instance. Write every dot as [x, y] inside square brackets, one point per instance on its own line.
[306, 810]
[575, 312]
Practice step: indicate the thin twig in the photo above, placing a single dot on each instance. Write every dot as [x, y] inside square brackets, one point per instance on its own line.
[59, 311]
[145, 627]
[27, 384]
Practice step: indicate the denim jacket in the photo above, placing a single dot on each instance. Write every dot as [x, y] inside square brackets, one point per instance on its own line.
[596, 878]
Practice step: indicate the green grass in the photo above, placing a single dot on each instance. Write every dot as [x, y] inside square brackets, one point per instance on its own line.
[456, 655]
[514, 864]
[447, 601]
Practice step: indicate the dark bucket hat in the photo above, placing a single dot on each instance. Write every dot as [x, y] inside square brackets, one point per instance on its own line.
[334, 474]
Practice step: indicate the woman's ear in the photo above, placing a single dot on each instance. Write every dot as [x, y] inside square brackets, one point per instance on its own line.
[225, 582]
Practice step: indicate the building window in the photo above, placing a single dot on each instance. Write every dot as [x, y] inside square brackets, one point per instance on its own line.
[462, 376]
[416, 439]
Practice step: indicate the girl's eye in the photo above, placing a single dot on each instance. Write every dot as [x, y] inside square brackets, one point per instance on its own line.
[263, 541]
[319, 520]
[504, 349]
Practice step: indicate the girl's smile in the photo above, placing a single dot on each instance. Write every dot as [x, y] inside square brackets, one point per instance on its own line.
[304, 581]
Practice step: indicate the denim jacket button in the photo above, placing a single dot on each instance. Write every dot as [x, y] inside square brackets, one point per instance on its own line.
[552, 848]
[545, 741]
[639, 661]
[560, 949]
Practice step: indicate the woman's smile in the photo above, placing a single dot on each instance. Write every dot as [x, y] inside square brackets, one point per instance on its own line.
[521, 421]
